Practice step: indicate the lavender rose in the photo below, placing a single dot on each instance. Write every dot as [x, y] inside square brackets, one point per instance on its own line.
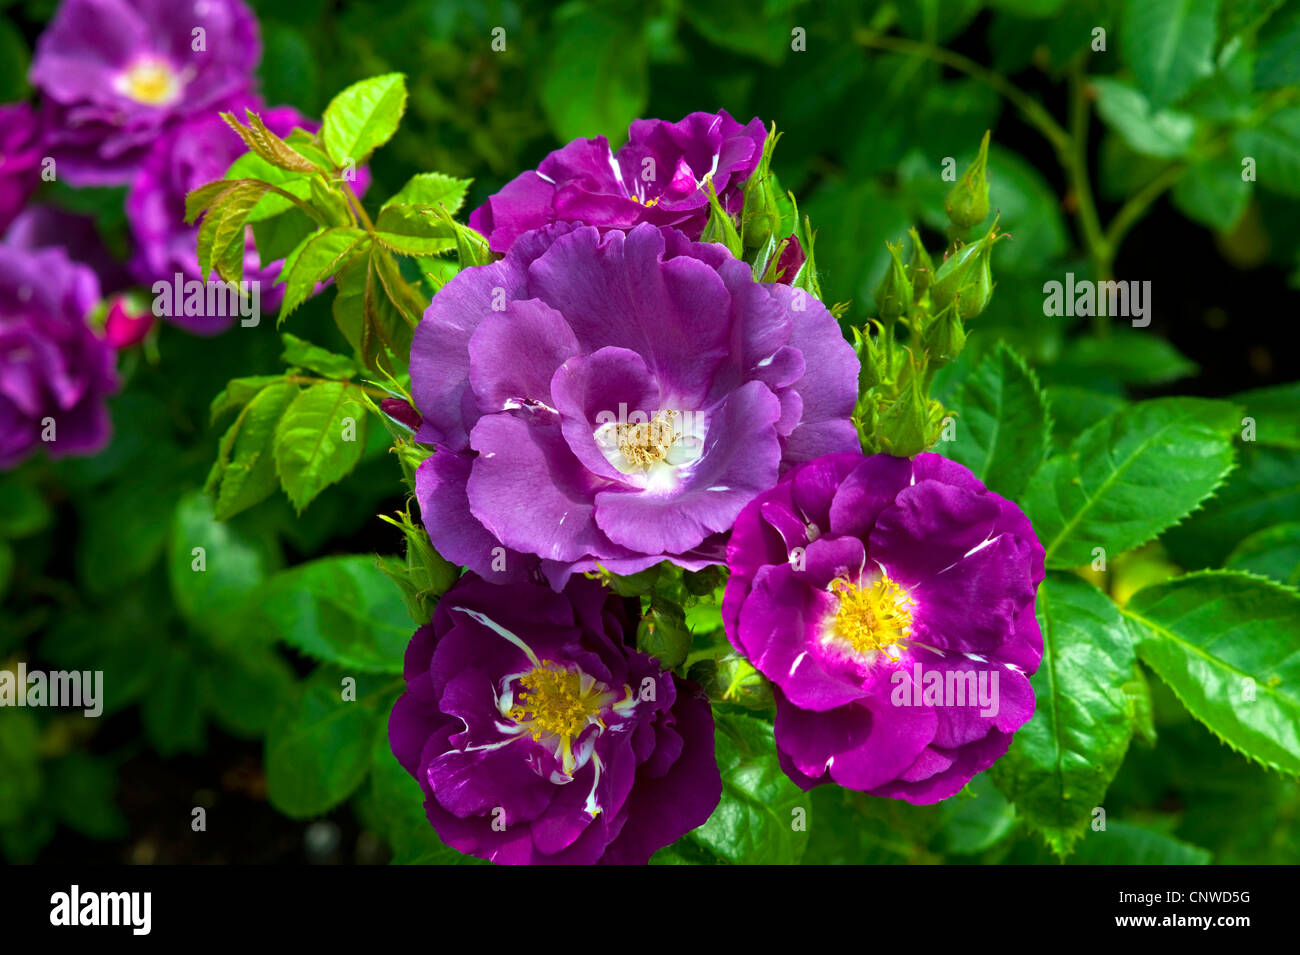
[614, 400]
[195, 151]
[20, 158]
[891, 603]
[539, 736]
[657, 177]
[55, 372]
[115, 74]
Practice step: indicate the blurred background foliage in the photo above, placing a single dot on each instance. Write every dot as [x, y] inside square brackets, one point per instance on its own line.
[1123, 161]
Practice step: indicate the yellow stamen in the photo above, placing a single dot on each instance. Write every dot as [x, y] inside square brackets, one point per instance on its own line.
[151, 82]
[872, 618]
[552, 701]
[650, 441]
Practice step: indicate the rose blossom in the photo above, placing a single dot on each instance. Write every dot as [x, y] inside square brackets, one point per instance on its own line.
[55, 372]
[539, 736]
[116, 74]
[657, 177]
[20, 159]
[614, 400]
[879, 595]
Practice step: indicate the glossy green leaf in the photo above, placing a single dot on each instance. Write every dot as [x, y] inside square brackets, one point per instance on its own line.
[304, 354]
[1273, 552]
[1169, 44]
[319, 439]
[363, 117]
[1002, 428]
[319, 256]
[431, 189]
[1164, 134]
[244, 473]
[340, 610]
[319, 745]
[1226, 644]
[1129, 477]
[1123, 843]
[1062, 761]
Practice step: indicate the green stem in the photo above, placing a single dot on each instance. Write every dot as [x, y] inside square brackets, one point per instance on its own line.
[1139, 202]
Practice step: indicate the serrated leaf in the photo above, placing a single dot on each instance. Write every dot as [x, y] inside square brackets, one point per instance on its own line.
[340, 610]
[239, 392]
[1129, 477]
[244, 688]
[1164, 134]
[1273, 411]
[319, 439]
[304, 354]
[412, 230]
[754, 822]
[1061, 762]
[318, 746]
[1169, 44]
[1124, 356]
[1075, 410]
[1213, 193]
[1123, 843]
[267, 144]
[430, 189]
[318, 257]
[1226, 644]
[1003, 430]
[209, 592]
[244, 473]
[1273, 552]
[1274, 144]
[363, 117]
[251, 166]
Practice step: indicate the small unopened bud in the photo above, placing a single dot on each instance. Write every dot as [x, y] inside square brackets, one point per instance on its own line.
[871, 359]
[738, 682]
[968, 201]
[967, 274]
[894, 293]
[920, 270]
[127, 322]
[944, 337]
[662, 633]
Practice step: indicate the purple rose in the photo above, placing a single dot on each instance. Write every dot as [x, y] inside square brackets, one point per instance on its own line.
[615, 400]
[891, 603]
[20, 159]
[657, 177]
[196, 151]
[115, 74]
[539, 736]
[55, 372]
[40, 227]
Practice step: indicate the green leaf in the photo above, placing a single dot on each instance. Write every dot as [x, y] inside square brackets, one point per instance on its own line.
[398, 805]
[1125, 356]
[1129, 477]
[429, 189]
[1123, 843]
[244, 472]
[1278, 62]
[413, 230]
[1165, 134]
[238, 393]
[319, 744]
[319, 256]
[1273, 552]
[1002, 425]
[210, 587]
[340, 610]
[172, 710]
[22, 510]
[319, 439]
[1169, 44]
[595, 81]
[304, 354]
[1275, 146]
[1075, 410]
[755, 821]
[733, 25]
[1213, 193]
[243, 689]
[267, 144]
[82, 788]
[1273, 411]
[122, 535]
[1225, 643]
[279, 235]
[251, 166]
[363, 117]
[1263, 491]
[1061, 762]
[977, 818]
